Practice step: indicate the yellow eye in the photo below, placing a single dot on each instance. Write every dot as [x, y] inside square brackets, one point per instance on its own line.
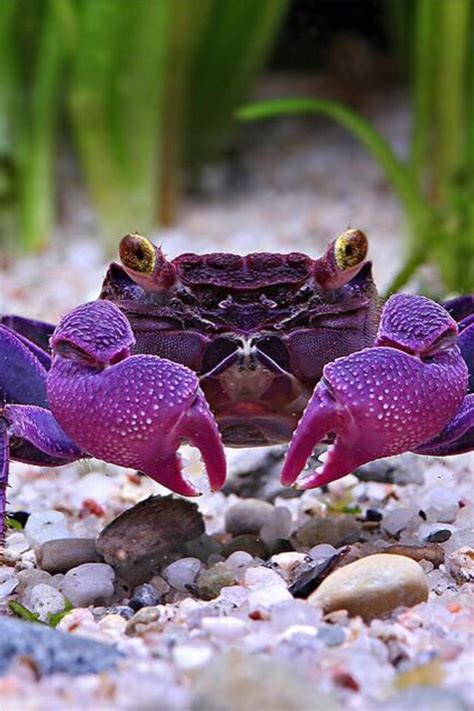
[350, 249]
[137, 253]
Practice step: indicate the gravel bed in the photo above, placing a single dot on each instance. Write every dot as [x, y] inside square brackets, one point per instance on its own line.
[241, 610]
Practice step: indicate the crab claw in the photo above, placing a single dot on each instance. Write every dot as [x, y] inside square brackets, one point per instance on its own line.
[129, 410]
[384, 400]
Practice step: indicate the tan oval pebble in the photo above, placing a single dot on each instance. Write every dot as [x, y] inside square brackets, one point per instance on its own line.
[373, 586]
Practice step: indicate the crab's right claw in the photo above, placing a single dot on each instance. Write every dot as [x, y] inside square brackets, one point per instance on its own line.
[130, 410]
[383, 400]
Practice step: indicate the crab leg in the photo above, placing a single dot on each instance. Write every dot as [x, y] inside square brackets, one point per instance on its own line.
[22, 375]
[38, 428]
[458, 435]
[4, 459]
[383, 400]
[462, 310]
[38, 332]
[130, 410]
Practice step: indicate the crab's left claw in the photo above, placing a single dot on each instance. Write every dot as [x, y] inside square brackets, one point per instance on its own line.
[130, 410]
[383, 400]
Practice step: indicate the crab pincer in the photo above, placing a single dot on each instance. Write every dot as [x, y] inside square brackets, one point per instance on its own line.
[383, 400]
[131, 410]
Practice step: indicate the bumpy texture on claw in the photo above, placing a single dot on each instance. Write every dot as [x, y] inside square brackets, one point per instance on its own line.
[458, 435]
[384, 400]
[130, 410]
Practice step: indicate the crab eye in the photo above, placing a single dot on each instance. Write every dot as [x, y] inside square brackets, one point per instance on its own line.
[137, 253]
[350, 249]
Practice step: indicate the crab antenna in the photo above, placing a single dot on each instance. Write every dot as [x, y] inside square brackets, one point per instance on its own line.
[342, 260]
[146, 264]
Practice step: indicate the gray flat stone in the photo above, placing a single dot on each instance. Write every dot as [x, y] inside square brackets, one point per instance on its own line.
[53, 651]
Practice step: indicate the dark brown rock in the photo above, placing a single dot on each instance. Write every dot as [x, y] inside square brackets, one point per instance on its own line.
[149, 536]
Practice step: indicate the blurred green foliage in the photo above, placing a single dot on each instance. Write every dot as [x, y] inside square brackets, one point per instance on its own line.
[143, 88]
[434, 43]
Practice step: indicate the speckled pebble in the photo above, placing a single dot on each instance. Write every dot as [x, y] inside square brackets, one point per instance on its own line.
[30, 577]
[145, 595]
[44, 600]
[141, 619]
[53, 651]
[460, 565]
[211, 581]
[373, 586]
[46, 526]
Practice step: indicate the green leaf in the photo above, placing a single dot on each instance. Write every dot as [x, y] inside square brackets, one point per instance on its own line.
[21, 611]
[344, 508]
[396, 171]
[55, 619]
[13, 523]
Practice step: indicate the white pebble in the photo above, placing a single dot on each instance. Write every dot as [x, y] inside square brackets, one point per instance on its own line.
[260, 577]
[289, 560]
[265, 598]
[191, 656]
[238, 562]
[321, 552]
[299, 629]
[17, 544]
[46, 526]
[440, 504]
[8, 581]
[234, 594]
[398, 519]
[96, 484]
[224, 627]
[89, 583]
[182, 573]
[460, 565]
[45, 600]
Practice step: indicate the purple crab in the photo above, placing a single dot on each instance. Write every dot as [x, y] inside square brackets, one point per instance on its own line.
[220, 349]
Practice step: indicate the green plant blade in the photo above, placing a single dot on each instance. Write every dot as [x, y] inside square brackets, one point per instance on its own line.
[395, 170]
[231, 52]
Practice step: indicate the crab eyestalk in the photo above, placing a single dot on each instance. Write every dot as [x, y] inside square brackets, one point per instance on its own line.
[134, 411]
[342, 260]
[146, 264]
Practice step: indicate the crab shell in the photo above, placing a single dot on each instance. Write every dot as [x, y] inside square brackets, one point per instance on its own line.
[258, 330]
[265, 348]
